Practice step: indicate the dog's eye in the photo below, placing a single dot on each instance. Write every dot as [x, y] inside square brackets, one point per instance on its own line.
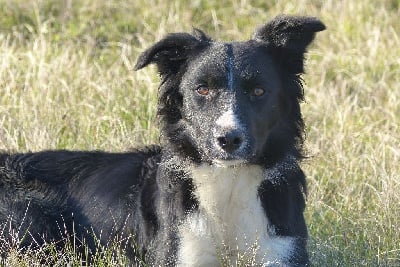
[258, 92]
[202, 90]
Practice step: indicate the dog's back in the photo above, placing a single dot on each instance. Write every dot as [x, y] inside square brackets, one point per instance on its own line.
[54, 195]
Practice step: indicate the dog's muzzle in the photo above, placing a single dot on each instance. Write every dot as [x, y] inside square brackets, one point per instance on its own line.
[230, 141]
[230, 138]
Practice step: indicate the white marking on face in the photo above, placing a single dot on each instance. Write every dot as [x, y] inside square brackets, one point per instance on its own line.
[229, 120]
[230, 72]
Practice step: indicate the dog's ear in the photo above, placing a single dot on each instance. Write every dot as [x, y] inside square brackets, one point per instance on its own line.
[288, 37]
[170, 52]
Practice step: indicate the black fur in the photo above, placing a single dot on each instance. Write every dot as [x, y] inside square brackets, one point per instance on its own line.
[50, 195]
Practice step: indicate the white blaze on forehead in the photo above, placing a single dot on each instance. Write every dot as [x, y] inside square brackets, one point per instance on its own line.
[230, 65]
[230, 72]
[228, 120]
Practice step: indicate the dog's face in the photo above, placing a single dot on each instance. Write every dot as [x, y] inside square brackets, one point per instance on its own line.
[235, 102]
[231, 100]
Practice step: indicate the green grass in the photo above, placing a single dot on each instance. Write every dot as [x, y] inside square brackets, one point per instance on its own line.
[66, 82]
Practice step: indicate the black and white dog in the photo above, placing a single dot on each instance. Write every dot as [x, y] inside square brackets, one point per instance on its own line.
[225, 180]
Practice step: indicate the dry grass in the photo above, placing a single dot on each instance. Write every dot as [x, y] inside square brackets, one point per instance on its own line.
[66, 82]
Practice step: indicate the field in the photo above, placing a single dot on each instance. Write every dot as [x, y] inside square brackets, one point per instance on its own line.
[67, 82]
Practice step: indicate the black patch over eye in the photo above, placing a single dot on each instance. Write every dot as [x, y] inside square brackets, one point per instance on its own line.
[258, 92]
[202, 90]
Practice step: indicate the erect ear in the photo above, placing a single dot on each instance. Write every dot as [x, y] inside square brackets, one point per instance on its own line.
[172, 51]
[289, 37]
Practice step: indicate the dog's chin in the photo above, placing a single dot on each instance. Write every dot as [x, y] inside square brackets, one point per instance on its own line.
[228, 163]
[220, 158]
[228, 160]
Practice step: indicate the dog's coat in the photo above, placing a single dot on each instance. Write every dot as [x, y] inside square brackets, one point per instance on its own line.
[225, 182]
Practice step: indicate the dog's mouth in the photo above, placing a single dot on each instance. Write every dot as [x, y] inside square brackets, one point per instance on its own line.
[220, 157]
[229, 163]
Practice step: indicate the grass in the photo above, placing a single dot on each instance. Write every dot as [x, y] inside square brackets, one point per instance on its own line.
[50, 255]
[66, 82]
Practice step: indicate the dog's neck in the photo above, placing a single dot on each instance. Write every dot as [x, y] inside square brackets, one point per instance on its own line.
[221, 189]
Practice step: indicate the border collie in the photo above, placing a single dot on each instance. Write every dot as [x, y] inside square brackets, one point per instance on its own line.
[225, 181]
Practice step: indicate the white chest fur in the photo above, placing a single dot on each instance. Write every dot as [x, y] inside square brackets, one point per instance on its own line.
[231, 224]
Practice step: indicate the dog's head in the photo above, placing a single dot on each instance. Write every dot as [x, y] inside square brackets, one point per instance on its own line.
[236, 101]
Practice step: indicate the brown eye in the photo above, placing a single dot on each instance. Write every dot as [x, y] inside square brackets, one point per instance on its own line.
[203, 91]
[258, 91]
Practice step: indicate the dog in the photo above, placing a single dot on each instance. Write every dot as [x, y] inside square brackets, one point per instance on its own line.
[225, 180]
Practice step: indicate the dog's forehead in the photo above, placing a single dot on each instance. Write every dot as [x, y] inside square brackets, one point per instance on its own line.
[244, 51]
[242, 56]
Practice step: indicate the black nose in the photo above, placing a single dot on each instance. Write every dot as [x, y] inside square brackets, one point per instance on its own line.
[230, 141]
